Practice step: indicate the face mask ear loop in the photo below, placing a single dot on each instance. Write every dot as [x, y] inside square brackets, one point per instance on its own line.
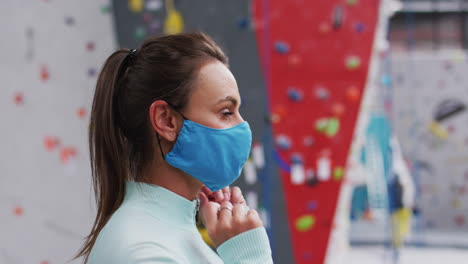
[160, 148]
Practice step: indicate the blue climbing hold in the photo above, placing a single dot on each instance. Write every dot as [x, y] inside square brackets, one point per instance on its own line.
[243, 22]
[294, 94]
[281, 47]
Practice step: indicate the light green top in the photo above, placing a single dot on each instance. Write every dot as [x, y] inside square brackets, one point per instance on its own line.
[154, 225]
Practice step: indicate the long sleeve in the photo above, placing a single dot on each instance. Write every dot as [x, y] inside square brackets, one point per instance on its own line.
[251, 247]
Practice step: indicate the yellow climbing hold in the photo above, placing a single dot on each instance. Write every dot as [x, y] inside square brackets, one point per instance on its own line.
[135, 5]
[438, 130]
[174, 23]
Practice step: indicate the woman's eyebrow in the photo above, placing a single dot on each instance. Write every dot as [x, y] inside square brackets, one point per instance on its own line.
[230, 99]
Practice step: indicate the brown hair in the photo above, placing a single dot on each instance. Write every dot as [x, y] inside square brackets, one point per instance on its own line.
[120, 135]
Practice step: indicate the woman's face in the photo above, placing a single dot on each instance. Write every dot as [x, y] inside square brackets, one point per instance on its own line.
[214, 101]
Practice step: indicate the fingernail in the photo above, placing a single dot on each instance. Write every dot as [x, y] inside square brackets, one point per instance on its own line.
[219, 195]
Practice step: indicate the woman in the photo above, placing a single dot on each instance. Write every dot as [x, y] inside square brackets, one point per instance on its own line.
[165, 130]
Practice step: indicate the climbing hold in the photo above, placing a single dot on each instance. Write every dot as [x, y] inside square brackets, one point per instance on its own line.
[91, 72]
[274, 118]
[18, 98]
[283, 142]
[386, 80]
[321, 124]
[460, 220]
[311, 205]
[307, 256]
[332, 127]
[147, 17]
[105, 9]
[323, 168]
[437, 130]
[338, 17]
[153, 5]
[337, 109]
[297, 173]
[294, 94]
[322, 93]
[154, 27]
[44, 73]
[81, 112]
[282, 47]
[135, 6]
[174, 23]
[324, 28]
[243, 22]
[296, 158]
[308, 141]
[359, 27]
[311, 179]
[250, 173]
[90, 46]
[18, 211]
[140, 33]
[352, 93]
[353, 62]
[50, 143]
[351, 2]
[70, 21]
[305, 223]
[294, 60]
[338, 173]
[448, 108]
[66, 153]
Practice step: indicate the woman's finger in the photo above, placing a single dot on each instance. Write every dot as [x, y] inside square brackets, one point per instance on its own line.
[225, 213]
[208, 211]
[236, 196]
[227, 193]
[219, 196]
[238, 212]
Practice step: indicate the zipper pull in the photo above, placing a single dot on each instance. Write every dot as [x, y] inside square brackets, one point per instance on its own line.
[197, 207]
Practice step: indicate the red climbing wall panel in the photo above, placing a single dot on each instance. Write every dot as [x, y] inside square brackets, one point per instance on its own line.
[315, 56]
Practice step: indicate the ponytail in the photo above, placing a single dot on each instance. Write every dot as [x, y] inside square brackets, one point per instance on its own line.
[106, 147]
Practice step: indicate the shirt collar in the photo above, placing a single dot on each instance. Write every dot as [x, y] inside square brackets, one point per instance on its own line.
[162, 203]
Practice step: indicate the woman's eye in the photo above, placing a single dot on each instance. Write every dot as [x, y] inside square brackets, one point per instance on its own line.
[226, 112]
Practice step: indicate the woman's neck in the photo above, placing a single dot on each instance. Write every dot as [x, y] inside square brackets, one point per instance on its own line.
[173, 179]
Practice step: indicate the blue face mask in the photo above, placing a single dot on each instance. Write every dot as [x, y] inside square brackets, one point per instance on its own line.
[213, 156]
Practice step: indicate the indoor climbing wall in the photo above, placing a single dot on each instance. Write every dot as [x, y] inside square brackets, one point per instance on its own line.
[315, 58]
[430, 119]
[52, 51]
[230, 23]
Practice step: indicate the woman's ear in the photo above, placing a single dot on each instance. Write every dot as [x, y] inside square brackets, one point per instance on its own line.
[163, 120]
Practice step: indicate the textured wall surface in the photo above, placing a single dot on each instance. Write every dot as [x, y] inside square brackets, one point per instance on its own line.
[51, 53]
[439, 155]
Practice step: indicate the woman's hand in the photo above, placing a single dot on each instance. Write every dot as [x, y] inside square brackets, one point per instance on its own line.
[227, 219]
[233, 195]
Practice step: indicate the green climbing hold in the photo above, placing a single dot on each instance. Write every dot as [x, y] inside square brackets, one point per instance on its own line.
[140, 33]
[338, 173]
[321, 124]
[332, 127]
[305, 223]
[105, 9]
[351, 2]
[353, 62]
